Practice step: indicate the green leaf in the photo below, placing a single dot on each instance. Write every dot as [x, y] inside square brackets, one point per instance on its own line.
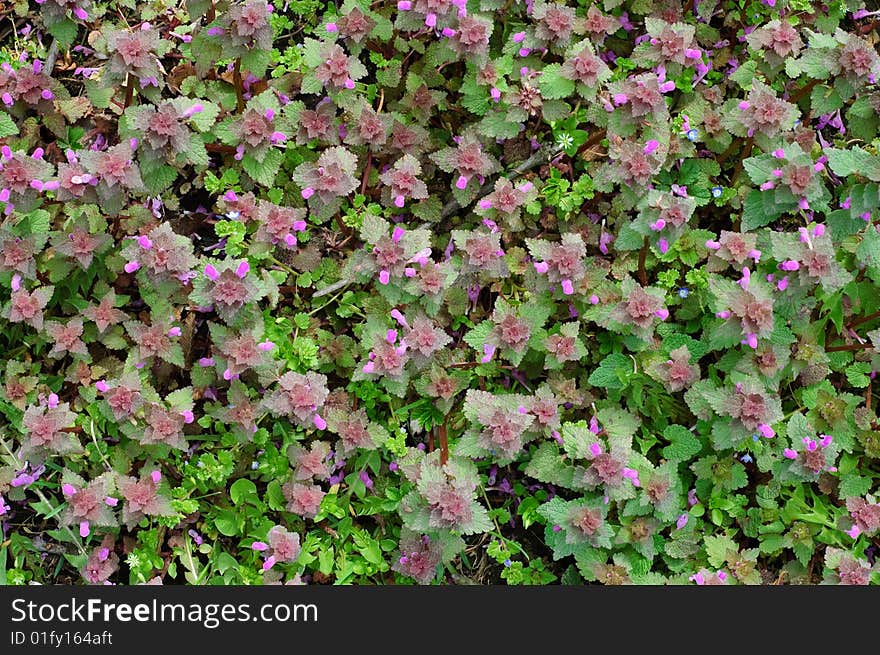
[64, 30]
[263, 172]
[853, 485]
[854, 161]
[759, 209]
[256, 62]
[682, 443]
[242, 490]
[613, 372]
[553, 86]
[7, 125]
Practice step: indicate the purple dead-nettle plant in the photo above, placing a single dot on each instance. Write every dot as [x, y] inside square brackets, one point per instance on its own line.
[260, 128]
[639, 310]
[584, 67]
[561, 265]
[241, 412]
[480, 253]
[325, 181]
[281, 547]
[469, 164]
[639, 95]
[34, 86]
[677, 373]
[23, 178]
[660, 492]
[746, 304]
[66, 339]
[563, 346]
[162, 254]
[807, 259]
[123, 396]
[500, 425]
[663, 217]
[403, 183]
[163, 129]
[706, 577]
[318, 124]
[114, 168]
[236, 352]
[776, 40]
[737, 249]
[244, 27]
[355, 430]
[369, 128]
[575, 524]
[101, 564]
[388, 355]
[808, 454]
[17, 385]
[510, 331]
[605, 457]
[89, 504]
[423, 338]
[46, 427]
[415, 15]
[420, 555]
[144, 496]
[409, 139]
[390, 253]
[300, 398]
[74, 181]
[633, 163]
[598, 25]
[18, 254]
[762, 112]
[243, 207]
[164, 424]
[503, 206]
[303, 499]
[310, 463]
[133, 52]
[444, 497]
[668, 43]
[279, 225]
[27, 306]
[857, 60]
[752, 408]
[555, 23]
[442, 385]
[470, 37]
[104, 313]
[230, 288]
[159, 339]
[865, 515]
[332, 68]
[355, 25]
[56, 11]
[80, 244]
[845, 568]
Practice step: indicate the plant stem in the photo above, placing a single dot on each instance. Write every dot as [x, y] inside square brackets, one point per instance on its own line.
[239, 88]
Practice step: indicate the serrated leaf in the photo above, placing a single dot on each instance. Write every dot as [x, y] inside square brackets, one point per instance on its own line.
[552, 85]
[612, 372]
[263, 172]
[682, 443]
[854, 161]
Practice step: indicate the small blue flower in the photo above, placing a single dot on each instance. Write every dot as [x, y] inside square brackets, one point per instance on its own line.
[507, 563]
[692, 134]
[755, 437]
[717, 191]
[684, 292]
[746, 459]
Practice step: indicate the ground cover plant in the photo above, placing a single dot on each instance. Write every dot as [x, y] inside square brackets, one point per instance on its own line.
[439, 291]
